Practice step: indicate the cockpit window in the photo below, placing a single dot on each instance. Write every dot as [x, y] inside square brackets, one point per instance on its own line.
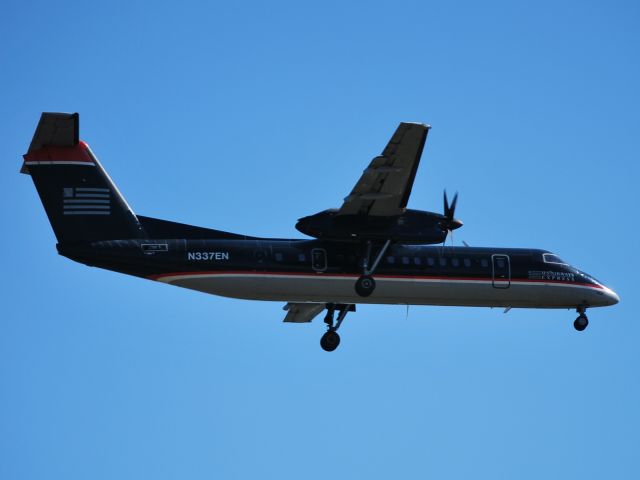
[553, 258]
[589, 277]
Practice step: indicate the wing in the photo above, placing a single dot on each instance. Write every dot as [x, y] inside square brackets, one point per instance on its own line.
[385, 186]
[302, 312]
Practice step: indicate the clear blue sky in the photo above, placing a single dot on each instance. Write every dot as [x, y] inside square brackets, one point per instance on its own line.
[247, 117]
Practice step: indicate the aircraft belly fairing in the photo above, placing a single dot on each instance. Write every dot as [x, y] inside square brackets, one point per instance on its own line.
[413, 291]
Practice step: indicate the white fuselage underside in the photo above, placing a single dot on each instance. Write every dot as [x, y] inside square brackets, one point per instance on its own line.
[321, 288]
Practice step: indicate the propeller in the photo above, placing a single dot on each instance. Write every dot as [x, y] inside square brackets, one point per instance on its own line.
[449, 223]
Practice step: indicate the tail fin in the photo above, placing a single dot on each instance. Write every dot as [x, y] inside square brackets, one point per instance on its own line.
[80, 199]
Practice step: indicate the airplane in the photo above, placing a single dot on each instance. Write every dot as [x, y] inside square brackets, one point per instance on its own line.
[371, 250]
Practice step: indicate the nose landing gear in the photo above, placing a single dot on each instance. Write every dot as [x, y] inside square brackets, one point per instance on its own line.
[330, 340]
[582, 321]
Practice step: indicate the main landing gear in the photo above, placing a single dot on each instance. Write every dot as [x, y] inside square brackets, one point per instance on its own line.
[330, 340]
[365, 285]
[582, 321]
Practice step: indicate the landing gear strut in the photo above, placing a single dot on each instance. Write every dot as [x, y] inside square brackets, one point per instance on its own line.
[365, 285]
[582, 321]
[330, 340]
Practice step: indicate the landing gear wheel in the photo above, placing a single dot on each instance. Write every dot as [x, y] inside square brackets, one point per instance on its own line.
[581, 323]
[365, 285]
[330, 341]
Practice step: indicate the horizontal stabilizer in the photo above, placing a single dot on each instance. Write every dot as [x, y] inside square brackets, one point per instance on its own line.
[56, 130]
[302, 312]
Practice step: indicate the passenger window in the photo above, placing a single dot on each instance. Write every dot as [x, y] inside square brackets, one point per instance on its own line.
[405, 260]
[302, 257]
[467, 262]
[443, 262]
[416, 260]
[484, 262]
[455, 262]
[278, 257]
[500, 262]
[391, 260]
[431, 262]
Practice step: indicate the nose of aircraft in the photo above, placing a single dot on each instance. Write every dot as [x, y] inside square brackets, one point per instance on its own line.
[611, 296]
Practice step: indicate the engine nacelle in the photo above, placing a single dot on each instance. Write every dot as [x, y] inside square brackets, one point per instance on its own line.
[413, 226]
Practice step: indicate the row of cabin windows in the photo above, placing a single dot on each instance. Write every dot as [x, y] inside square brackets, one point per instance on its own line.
[279, 257]
[441, 261]
[391, 260]
[302, 258]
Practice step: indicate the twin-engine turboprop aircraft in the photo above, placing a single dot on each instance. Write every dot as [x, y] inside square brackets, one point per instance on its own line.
[370, 250]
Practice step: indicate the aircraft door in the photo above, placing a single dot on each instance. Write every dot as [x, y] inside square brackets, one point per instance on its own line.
[501, 271]
[260, 256]
[319, 259]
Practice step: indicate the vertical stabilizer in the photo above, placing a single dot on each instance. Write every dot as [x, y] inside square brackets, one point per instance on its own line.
[80, 199]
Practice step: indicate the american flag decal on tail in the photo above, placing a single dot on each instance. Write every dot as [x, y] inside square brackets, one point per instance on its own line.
[86, 201]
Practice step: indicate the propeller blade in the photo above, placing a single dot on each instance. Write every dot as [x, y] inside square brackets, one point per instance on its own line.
[452, 210]
[450, 222]
[446, 205]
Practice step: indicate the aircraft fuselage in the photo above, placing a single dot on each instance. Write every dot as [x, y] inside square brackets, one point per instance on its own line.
[372, 249]
[324, 272]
